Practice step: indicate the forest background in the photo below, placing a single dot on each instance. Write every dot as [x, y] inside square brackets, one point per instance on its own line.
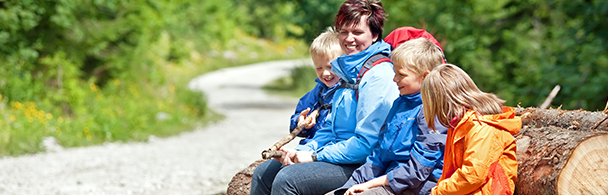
[91, 71]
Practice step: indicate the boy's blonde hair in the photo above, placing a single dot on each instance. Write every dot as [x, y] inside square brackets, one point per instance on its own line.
[326, 44]
[418, 55]
[448, 92]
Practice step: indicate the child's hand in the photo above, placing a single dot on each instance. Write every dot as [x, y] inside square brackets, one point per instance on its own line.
[359, 188]
[287, 158]
[310, 122]
[302, 117]
[307, 121]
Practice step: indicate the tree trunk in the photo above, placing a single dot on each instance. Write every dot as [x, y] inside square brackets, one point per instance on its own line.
[562, 152]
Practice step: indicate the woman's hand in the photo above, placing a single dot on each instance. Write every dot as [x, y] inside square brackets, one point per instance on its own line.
[302, 157]
[287, 158]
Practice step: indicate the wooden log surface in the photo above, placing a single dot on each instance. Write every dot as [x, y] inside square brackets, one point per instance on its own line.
[562, 152]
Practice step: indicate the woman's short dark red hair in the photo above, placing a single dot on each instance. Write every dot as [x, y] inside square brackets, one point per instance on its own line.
[351, 11]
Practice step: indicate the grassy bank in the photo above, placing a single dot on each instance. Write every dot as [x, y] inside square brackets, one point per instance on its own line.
[125, 110]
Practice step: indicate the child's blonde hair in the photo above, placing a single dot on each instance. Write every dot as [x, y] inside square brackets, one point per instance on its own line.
[418, 55]
[448, 92]
[326, 45]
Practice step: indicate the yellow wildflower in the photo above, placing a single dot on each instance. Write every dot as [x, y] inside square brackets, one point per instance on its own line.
[171, 88]
[17, 105]
[93, 87]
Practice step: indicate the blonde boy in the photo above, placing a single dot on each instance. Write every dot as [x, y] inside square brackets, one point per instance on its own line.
[409, 156]
[324, 49]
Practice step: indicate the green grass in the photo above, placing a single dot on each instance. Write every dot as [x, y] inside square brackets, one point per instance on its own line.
[132, 109]
[300, 80]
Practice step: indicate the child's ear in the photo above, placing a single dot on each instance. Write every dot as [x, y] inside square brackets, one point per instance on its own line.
[425, 73]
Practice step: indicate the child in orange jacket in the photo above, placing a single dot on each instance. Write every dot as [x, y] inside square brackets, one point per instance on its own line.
[480, 149]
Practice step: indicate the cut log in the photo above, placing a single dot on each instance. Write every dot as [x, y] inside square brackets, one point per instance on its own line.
[240, 184]
[562, 152]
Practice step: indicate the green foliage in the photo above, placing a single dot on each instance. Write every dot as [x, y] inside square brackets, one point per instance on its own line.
[520, 49]
[517, 49]
[88, 72]
[300, 18]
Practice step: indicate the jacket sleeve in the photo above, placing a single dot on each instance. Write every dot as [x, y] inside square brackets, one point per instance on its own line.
[321, 137]
[307, 101]
[478, 143]
[363, 174]
[376, 94]
[424, 156]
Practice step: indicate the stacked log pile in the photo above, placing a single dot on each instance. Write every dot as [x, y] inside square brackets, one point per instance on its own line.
[558, 152]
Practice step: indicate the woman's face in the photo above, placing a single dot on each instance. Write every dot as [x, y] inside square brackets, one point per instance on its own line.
[355, 39]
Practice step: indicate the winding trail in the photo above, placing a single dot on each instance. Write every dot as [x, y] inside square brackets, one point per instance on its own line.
[201, 161]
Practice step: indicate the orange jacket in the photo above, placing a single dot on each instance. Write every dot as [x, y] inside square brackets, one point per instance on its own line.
[480, 155]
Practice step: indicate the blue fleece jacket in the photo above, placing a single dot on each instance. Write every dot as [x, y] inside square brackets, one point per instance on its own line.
[319, 96]
[352, 128]
[410, 154]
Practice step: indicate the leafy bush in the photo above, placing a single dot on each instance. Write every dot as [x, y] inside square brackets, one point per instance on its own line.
[520, 49]
[89, 72]
[517, 49]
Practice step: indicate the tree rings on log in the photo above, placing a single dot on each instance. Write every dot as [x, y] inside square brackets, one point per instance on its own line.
[562, 152]
[587, 169]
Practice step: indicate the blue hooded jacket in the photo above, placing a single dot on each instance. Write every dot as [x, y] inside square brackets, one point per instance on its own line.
[320, 95]
[410, 154]
[352, 128]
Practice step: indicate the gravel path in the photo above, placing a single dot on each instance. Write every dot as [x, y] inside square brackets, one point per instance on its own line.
[198, 162]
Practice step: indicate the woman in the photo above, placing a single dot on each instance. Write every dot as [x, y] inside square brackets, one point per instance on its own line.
[350, 133]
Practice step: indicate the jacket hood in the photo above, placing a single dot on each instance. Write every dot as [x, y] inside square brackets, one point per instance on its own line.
[348, 66]
[506, 121]
[406, 33]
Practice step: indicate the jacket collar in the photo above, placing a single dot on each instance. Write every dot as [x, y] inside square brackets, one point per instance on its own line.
[413, 99]
[348, 66]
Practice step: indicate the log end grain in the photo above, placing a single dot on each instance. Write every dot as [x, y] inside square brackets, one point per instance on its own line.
[587, 169]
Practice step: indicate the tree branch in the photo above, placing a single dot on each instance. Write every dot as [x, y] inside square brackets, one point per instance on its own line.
[273, 150]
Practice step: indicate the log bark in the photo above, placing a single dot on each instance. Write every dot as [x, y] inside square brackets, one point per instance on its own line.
[562, 152]
[240, 184]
